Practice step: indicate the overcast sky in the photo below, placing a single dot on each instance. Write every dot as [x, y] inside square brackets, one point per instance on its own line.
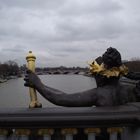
[68, 32]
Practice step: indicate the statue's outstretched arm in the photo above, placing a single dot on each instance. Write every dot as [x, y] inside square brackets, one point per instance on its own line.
[86, 98]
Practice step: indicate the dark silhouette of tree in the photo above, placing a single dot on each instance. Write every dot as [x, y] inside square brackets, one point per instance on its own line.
[9, 68]
[133, 64]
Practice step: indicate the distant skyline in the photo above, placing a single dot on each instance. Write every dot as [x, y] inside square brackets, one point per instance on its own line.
[68, 32]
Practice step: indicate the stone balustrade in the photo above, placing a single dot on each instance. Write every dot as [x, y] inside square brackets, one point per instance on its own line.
[63, 123]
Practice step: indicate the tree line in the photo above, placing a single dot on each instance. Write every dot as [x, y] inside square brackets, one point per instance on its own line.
[9, 68]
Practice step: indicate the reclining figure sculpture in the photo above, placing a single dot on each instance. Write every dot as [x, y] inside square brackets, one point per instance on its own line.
[107, 70]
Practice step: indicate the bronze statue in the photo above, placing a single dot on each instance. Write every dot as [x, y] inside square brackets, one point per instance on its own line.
[107, 71]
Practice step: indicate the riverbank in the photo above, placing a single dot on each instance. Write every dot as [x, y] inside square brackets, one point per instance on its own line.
[3, 80]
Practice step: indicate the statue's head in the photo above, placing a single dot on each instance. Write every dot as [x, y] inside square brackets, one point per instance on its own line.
[112, 58]
[108, 68]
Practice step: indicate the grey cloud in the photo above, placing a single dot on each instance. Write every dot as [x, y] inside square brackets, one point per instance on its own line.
[67, 29]
[67, 48]
[108, 7]
[31, 4]
[72, 49]
[89, 7]
[90, 30]
[16, 49]
[61, 28]
[64, 28]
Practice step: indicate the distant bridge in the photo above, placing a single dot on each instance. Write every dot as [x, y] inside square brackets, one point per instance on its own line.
[63, 72]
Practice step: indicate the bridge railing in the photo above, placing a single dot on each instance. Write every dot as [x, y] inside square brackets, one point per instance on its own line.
[62, 123]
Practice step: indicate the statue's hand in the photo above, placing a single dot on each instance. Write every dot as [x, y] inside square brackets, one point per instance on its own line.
[31, 79]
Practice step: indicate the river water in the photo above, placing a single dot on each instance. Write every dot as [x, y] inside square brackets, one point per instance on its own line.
[13, 93]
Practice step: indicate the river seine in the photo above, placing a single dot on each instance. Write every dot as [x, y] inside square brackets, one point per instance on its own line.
[13, 93]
